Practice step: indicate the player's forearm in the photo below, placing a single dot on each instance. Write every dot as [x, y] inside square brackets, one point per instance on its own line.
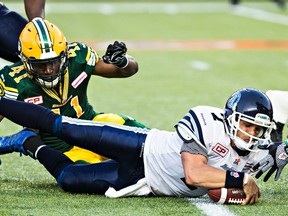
[112, 71]
[206, 176]
[35, 8]
[198, 173]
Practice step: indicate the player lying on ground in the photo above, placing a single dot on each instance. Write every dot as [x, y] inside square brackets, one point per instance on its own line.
[211, 148]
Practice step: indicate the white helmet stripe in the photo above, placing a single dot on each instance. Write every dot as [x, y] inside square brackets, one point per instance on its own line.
[45, 40]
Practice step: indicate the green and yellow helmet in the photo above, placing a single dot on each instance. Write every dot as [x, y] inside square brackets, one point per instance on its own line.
[43, 50]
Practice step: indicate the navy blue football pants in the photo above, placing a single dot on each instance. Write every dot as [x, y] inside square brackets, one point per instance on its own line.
[123, 144]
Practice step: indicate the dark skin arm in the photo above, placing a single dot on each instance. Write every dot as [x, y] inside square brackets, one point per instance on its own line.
[34, 8]
[112, 71]
[199, 173]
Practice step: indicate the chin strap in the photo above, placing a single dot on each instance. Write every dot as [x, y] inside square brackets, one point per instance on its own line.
[241, 145]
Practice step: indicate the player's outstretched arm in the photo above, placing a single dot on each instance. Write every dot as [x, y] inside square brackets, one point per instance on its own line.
[199, 173]
[116, 63]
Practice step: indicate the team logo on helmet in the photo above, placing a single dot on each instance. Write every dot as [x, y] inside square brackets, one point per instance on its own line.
[232, 102]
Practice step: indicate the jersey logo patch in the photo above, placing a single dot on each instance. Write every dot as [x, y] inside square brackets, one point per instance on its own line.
[237, 161]
[220, 150]
[79, 79]
[34, 100]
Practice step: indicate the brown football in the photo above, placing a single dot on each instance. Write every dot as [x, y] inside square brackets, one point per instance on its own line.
[227, 195]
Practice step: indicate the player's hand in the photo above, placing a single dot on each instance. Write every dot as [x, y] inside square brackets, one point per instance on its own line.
[251, 191]
[276, 160]
[116, 54]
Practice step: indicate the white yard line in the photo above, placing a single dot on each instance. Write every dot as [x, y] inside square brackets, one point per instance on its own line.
[207, 207]
[261, 15]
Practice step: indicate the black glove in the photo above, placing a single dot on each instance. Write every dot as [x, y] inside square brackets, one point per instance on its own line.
[276, 160]
[116, 54]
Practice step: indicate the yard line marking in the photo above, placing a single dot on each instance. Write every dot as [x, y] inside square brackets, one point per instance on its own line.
[209, 208]
[260, 15]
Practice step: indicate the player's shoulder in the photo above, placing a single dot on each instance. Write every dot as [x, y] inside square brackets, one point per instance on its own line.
[210, 121]
[13, 74]
[201, 116]
[207, 111]
[16, 67]
[12, 78]
[76, 45]
[201, 123]
[81, 53]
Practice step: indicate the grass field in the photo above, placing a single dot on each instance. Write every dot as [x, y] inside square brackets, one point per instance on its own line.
[208, 68]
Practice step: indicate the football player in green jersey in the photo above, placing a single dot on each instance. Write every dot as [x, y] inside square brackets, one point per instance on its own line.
[55, 74]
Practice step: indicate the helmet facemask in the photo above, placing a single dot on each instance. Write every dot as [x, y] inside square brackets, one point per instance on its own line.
[37, 68]
[233, 126]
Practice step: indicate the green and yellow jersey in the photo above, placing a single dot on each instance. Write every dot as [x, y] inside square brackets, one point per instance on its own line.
[70, 97]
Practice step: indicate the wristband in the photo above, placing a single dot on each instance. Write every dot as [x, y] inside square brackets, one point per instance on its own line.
[234, 179]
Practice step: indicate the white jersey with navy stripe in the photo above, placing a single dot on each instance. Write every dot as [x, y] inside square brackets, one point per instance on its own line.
[208, 132]
[163, 167]
[162, 158]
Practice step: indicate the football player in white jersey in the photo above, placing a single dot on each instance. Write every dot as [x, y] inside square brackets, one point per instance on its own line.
[211, 148]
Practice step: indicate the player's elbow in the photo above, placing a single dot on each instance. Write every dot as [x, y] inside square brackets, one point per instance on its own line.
[136, 68]
[130, 70]
[196, 177]
[192, 180]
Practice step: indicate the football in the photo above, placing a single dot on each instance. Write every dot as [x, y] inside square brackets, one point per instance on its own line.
[227, 195]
